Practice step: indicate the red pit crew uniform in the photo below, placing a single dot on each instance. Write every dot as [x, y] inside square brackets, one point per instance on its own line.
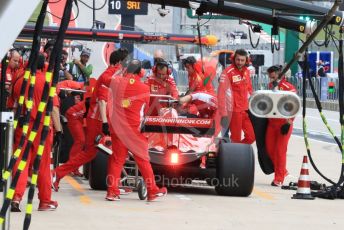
[161, 87]
[11, 77]
[131, 99]
[13, 73]
[276, 143]
[75, 116]
[44, 179]
[234, 90]
[201, 82]
[94, 124]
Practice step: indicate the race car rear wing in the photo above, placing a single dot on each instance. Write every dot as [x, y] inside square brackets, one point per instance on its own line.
[195, 126]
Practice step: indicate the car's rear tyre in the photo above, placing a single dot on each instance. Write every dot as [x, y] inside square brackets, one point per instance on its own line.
[235, 170]
[86, 170]
[98, 172]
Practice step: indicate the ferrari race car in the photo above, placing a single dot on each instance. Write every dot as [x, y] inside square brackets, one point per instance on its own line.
[185, 148]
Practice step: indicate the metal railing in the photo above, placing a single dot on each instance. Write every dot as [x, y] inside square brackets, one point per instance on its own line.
[321, 86]
[328, 98]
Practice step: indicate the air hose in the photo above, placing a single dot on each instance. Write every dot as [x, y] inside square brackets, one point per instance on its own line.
[47, 100]
[31, 69]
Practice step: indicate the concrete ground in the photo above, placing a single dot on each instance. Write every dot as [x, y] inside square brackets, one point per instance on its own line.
[200, 208]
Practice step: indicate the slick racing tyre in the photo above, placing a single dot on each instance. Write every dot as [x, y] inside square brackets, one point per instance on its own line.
[98, 172]
[86, 170]
[235, 170]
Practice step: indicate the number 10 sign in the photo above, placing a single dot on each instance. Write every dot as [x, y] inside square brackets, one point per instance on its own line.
[128, 7]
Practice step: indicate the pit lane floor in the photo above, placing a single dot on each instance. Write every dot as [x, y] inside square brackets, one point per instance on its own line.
[200, 208]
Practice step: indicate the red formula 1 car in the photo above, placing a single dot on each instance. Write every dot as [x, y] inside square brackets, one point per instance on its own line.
[184, 148]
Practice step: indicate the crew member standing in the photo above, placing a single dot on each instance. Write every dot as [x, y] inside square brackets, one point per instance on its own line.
[201, 98]
[96, 118]
[161, 83]
[278, 132]
[12, 69]
[131, 99]
[199, 81]
[158, 57]
[235, 88]
[44, 179]
[73, 108]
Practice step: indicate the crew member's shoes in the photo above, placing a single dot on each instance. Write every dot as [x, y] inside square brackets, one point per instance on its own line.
[276, 184]
[76, 173]
[112, 197]
[15, 207]
[125, 191]
[47, 206]
[289, 179]
[15, 204]
[55, 181]
[160, 193]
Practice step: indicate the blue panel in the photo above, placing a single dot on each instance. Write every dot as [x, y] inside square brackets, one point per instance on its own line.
[312, 60]
[325, 57]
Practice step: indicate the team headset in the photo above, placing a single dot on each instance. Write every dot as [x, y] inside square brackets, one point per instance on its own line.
[162, 64]
[248, 59]
[274, 103]
[10, 53]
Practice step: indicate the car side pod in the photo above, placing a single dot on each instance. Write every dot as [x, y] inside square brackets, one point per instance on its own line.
[235, 169]
[274, 104]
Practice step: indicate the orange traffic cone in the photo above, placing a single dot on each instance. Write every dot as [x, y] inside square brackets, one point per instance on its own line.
[304, 183]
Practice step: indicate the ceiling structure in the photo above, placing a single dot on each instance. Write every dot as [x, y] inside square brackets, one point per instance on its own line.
[286, 12]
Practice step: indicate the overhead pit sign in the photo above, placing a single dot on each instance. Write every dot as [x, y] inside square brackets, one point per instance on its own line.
[128, 7]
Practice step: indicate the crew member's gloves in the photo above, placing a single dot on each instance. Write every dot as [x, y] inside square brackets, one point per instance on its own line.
[224, 122]
[105, 128]
[285, 128]
[58, 138]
